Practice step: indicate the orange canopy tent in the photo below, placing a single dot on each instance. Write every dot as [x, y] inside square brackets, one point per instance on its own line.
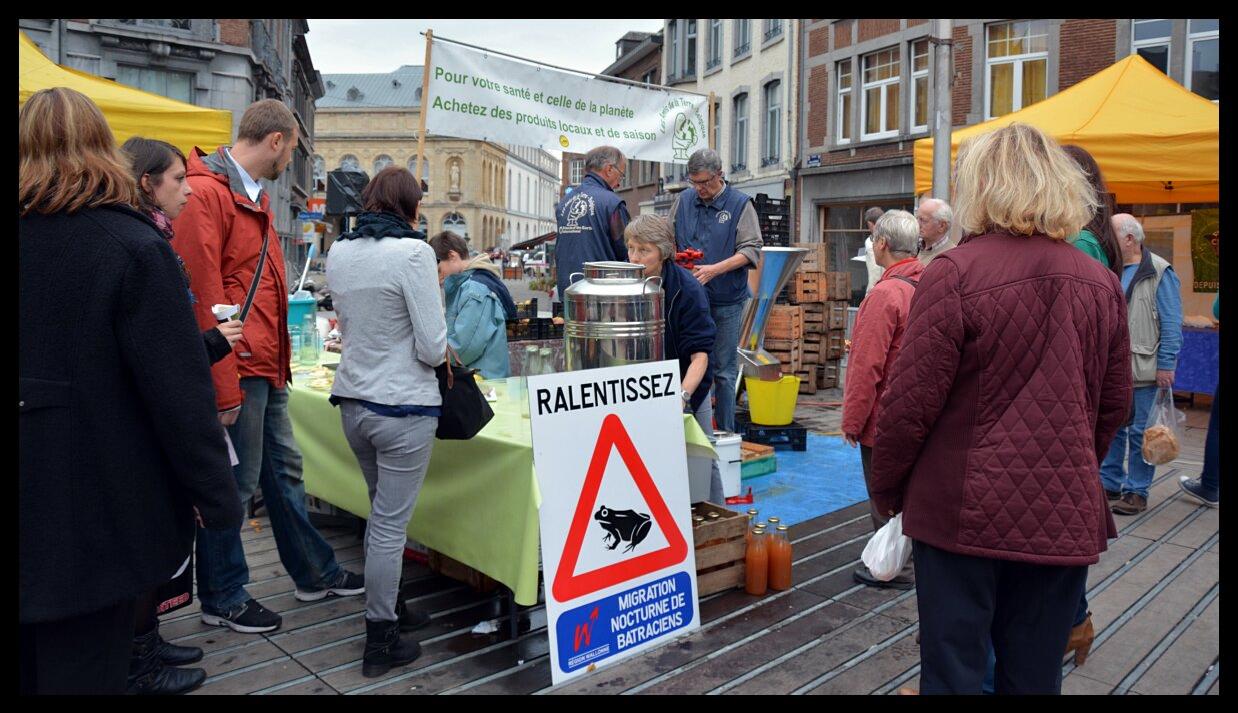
[129, 112]
[1155, 140]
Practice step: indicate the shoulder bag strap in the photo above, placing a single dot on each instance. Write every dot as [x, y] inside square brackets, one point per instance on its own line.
[253, 286]
[908, 280]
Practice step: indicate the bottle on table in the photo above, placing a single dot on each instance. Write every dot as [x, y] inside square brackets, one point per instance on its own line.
[756, 563]
[548, 361]
[531, 357]
[779, 548]
[308, 354]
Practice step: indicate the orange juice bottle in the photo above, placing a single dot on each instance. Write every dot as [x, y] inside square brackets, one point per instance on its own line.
[756, 561]
[780, 560]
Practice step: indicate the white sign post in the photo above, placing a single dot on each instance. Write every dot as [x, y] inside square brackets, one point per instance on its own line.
[616, 528]
[478, 95]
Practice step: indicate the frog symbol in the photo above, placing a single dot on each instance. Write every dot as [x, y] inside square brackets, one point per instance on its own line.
[622, 526]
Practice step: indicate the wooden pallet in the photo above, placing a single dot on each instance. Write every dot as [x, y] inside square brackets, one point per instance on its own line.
[719, 547]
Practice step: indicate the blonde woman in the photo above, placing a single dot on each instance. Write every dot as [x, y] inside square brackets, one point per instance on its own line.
[1013, 377]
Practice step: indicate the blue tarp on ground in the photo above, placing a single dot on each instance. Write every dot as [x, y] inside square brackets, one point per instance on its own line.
[825, 478]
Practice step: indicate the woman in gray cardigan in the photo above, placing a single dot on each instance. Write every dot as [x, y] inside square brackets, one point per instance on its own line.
[384, 281]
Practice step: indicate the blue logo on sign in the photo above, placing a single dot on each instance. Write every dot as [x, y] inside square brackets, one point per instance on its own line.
[600, 629]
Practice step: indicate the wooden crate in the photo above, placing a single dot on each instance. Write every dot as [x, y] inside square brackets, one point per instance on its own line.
[835, 343]
[809, 286]
[785, 322]
[827, 375]
[448, 567]
[838, 286]
[791, 360]
[808, 380]
[752, 451]
[836, 315]
[815, 318]
[817, 258]
[719, 547]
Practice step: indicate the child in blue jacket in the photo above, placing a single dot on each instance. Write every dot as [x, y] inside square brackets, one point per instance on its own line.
[478, 306]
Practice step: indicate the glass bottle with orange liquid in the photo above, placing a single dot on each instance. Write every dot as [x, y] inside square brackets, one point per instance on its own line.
[756, 563]
[779, 555]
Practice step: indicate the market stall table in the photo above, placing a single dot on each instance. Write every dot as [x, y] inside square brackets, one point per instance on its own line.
[480, 499]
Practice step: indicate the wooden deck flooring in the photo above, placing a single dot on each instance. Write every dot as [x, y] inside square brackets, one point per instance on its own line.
[1154, 596]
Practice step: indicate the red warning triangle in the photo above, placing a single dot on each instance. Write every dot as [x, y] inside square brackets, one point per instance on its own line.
[568, 586]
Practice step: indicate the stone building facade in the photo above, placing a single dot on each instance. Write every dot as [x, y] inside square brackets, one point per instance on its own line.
[222, 64]
[638, 57]
[370, 121]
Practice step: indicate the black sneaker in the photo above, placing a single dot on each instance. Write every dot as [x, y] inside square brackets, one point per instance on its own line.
[249, 618]
[348, 584]
[1195, 489]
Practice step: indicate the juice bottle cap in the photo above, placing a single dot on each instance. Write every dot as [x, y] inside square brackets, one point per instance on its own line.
[782, 528]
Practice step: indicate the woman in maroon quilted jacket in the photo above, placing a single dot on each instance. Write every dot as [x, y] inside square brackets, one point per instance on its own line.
[1012, 379]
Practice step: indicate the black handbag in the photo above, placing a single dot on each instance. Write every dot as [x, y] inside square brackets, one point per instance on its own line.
[465, 410]
[176, 593]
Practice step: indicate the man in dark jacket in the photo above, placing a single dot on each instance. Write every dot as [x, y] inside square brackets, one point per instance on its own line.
[221, 234]
[591, 219]
[722, 223]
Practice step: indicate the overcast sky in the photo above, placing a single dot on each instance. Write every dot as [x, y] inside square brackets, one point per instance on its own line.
[353, 46]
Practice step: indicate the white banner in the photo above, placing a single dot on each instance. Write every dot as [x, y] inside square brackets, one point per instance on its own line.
[477, 95]
[616, 529]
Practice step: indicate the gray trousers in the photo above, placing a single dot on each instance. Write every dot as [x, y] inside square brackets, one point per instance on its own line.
[879, 519]
[393, 454]
[705, 417]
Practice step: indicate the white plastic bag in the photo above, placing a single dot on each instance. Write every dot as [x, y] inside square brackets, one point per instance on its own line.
[1162, 434]
[888, 550]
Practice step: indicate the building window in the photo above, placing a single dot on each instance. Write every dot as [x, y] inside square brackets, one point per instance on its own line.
[576, 171]
[456, 224]
[382, 162]
[672, 61]
[715, 45]
[843, 113]
[689, 65]
[1150, 40]
[349, 163]
[879, 100]
[1016, 57]
[173, 85]
[743, 37]
[320, 168]
[919, 85]
[1203, 55]
[422, 225]
[739, 133]
[717, 125]
[179, 24]
[771, 132]
[650, 77]
[773, 28]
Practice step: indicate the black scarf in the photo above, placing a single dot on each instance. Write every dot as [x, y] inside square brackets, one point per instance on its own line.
[380, 225]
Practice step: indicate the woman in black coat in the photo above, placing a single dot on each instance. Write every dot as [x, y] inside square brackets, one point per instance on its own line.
[119, 438]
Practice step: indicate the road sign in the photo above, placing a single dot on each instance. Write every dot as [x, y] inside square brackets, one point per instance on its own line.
[615, 517]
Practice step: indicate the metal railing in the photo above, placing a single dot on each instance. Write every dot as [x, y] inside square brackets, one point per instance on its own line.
[742, 49]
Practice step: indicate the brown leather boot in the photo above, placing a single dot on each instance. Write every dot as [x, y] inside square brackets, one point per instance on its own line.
[1080, 642]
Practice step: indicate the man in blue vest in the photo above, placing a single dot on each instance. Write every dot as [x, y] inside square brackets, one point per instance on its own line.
[592, 218]
[722, 223]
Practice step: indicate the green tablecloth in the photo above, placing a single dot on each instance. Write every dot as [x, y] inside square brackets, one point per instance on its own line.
[480, 498]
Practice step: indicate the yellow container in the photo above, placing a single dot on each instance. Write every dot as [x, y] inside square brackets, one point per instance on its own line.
[772, 403]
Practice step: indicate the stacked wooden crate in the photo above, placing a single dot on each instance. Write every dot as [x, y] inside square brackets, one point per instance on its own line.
[823, 297]
[784, 336]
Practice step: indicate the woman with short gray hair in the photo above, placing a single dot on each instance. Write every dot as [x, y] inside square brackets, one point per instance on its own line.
[690, 330]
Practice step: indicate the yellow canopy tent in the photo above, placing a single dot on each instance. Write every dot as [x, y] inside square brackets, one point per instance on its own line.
[1155, 141]
[129, 111]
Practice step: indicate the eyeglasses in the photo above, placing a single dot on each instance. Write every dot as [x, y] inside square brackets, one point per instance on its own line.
[622, 172]
[703, 182]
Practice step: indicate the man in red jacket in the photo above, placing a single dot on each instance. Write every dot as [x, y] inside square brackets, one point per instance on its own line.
[226, 236]
[874, 346]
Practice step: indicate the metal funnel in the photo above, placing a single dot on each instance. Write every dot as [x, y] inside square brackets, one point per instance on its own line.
[777, 266]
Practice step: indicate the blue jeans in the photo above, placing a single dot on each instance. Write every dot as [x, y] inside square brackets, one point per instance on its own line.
[269, 459]
[1210, 476]
[1138, 476]
[725, 359]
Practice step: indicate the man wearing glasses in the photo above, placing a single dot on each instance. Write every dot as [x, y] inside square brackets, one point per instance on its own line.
[592, 218]
[722, 223]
